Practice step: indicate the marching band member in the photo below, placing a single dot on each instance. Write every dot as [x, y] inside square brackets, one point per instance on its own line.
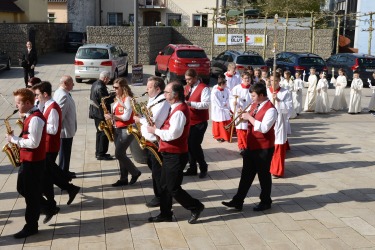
[197, 96]
[159, 108]
[122, 115]
[260, 148]
[32, 157]
[220, 110]
[232, 77]
[283, 104]
[240, 99]
[173, 146]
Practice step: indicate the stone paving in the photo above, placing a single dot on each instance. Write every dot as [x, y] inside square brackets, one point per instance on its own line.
[325, 201]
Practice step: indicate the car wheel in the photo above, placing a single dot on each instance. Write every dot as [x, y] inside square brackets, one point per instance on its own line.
[79, 80]
[157, 73]
[9, 64]
[126, 70]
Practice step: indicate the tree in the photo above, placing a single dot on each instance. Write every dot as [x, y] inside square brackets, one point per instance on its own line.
[296, 6]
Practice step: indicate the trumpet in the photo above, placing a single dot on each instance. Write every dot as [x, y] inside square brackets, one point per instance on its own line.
[238, 117]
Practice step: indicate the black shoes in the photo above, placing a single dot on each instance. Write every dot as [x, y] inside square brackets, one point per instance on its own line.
[134, 178]
[106, 157]
[73, 191]
[160, 218]
[190, 172]
[220, 140]
[49, 215]
[120, 183]
[195, 215]
[155, 202]
[242, 151]
[202, 175]
[72, 174]
[261, 207]
[232, 204]
[25, 233]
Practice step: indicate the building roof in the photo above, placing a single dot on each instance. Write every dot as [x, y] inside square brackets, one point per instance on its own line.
[57, 1]
[9, 6]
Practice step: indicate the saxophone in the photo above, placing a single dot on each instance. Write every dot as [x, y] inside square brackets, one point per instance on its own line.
[12, 150]
[136, 131]
[107, 125]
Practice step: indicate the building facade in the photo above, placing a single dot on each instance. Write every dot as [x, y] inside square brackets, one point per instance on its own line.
[57, 11]
[23, 11]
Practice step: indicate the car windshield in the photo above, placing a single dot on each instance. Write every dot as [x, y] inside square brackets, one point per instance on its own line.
[75, 37]
[191, 54]
[366, 62]
[311, 61]
[92, 53]
[250, 60]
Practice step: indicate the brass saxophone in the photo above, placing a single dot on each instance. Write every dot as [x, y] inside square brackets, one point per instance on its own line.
[107, 125]
[12, 150]
[136, 131]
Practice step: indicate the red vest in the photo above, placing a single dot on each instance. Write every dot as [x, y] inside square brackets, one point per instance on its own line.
[119, 110]
[196, 115]
[53, 141]
[258, 140]
[33, 154]
[179, 145]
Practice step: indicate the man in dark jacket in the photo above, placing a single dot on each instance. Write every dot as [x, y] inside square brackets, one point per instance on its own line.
[96, 112]
[29, 60]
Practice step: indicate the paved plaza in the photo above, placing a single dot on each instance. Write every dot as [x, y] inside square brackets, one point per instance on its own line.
[325, 201]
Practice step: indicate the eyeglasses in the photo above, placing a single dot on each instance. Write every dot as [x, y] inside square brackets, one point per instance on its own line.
[115, 87]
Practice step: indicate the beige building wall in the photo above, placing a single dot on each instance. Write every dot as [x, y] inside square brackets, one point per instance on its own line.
[125, 7]
[34, 10]
[60, 10]
[6, 17]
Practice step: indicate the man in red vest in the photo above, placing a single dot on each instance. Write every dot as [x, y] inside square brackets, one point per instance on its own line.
[197, 96]
[173, 146]
[32, 157]
[260, 147]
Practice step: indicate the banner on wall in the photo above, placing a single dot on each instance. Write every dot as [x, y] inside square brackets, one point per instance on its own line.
[238, 39]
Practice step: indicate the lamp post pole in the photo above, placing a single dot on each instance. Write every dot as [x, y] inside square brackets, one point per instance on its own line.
[274, 53]
[135, 31]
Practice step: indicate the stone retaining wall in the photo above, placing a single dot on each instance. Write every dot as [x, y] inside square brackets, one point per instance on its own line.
[153, 39]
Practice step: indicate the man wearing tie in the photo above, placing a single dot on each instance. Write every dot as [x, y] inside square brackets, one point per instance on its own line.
[30, 59]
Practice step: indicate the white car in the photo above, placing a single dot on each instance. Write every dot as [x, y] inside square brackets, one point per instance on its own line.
[91, 59]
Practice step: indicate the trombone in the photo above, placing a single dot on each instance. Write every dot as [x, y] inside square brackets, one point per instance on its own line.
[238, 117]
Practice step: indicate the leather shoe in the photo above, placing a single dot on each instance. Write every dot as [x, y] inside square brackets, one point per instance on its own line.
[72, 174]
[120, 183]
[106, 155]
[261, 207]
[202, 174]
[25, 233]
[195, 215]
[155, 202]
[233, 205]
[50, 214]
[160, 218]
[74, 190]
[190, 172]
[105, 158]
[134, 178]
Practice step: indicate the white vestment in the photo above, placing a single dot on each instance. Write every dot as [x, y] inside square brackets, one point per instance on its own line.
[339, 101]
[297, 95]
[243, 100]
[322, 102]
[220, 109]
[311, 93]
[355, 96]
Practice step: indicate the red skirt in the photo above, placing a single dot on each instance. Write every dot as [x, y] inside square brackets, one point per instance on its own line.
[218, 130]
[278, 160]
[241, 138]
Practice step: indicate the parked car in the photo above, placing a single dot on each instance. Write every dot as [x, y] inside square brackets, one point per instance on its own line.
[73, 40]
[175, 59]
[5, 61]
[364, 64]
[296, 61]
[91, 59]
[242, 60]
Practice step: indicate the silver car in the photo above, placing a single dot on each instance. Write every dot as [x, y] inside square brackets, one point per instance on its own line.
[91, 59]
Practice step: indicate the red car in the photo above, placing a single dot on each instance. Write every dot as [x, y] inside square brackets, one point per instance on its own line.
[175, 59]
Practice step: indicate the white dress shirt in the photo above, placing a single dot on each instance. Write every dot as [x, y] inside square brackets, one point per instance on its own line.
[35, 130]
[177, 123]
[53, 118]
[269, 119]
[205, 97]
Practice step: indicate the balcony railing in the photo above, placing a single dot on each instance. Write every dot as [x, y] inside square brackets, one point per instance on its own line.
[152, 4]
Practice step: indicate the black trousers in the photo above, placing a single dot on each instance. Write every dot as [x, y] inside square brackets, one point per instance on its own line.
[64, 153]
[27, 74]
[29, 185]
[196, 154]
[49, 203]
[102, 141]
[155, 168]
[171, 180]
[256, 162]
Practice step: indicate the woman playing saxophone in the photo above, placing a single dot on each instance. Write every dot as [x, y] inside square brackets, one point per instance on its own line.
[122, 117]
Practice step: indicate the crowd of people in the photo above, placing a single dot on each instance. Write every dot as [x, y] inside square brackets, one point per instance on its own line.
[251, 106]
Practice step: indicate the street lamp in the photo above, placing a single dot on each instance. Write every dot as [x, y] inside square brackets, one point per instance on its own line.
[274, 52]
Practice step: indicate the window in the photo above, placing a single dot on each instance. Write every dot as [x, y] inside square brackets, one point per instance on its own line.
[51, 17]
[174, 19]
[200, 20]
[114, 18]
